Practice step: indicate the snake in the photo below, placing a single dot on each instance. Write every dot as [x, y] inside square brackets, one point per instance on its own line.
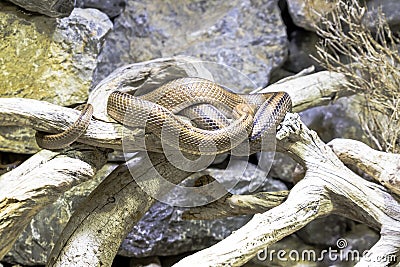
[69, 135]
[227, 120]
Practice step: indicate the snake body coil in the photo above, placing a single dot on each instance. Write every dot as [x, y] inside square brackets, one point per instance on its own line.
[251, 115]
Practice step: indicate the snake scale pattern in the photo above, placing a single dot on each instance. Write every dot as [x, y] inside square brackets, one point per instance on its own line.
[223, 119]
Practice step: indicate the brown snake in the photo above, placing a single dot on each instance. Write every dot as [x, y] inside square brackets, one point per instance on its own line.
[70, 135]
[252, 115]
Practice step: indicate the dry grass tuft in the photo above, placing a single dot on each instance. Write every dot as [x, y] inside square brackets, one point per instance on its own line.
[370, 61]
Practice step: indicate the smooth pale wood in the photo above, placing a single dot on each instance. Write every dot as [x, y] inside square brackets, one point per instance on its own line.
[384, 167]
[328, 187]
[93, 235]
[39, 181]
[312, 90]
[234, 205]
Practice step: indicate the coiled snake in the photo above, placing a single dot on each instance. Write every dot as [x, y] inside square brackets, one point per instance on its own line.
[251, 115]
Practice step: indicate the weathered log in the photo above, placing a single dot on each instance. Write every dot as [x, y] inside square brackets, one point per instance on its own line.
[39, 181]
[328, 187]
[234, 205]
[306, 91]
[383, 167]
[93, 235]
[97, 229]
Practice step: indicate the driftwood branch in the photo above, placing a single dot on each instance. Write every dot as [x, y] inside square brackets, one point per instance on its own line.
[39, 181]
[382, 166]
[328, 187]
[66, 250]
[95, 232]
[93, 235]
[234, 205]
[312, 90]
[316, 89]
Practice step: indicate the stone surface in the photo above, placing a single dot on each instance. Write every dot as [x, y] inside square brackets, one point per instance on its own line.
[325, 231]
[353, 243]
[302, 16]
[52, 8]
[251, 179]
[283, 167]
[111, 7]
[161, 231]
[340, 119]
[47, 59]
[391, 10]
[39, 237]
[247, 35]
[359, 239]
[145, 262]
[301, 48]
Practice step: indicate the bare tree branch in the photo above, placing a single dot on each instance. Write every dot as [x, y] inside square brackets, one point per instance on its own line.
[93, 235]
[328, 187]
[234, 205]
[39, 181]
[384, 167]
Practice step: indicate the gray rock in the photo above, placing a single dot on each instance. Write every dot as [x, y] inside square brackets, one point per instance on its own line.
[324, 231]
[296, 252]
[39, 237]
[247, 35]
[145, 262]
[51, 8]
[302, 15]
[361, 238]
[340, 119]
[111, 7]
[283, 167]
[249, 179]
[47, 59]
[391, 10]
[162, 232]
[353, 245]
[301, 48]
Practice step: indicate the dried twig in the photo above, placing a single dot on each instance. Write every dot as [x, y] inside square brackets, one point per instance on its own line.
[370, 61]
